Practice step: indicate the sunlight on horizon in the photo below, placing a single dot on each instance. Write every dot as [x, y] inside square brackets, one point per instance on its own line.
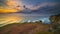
[9, 19]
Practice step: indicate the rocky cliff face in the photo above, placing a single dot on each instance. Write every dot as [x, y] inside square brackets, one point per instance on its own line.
[55, 21]
[55, 18]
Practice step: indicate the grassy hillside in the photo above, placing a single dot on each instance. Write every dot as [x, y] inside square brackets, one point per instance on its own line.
[25, 28]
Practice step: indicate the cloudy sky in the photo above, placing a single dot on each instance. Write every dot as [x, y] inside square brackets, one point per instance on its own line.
[29, 9]
[21, 5]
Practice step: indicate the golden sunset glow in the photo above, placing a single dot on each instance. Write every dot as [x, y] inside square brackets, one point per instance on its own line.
[10, 10]
[11, 19]
[7, 10]
[14, 4]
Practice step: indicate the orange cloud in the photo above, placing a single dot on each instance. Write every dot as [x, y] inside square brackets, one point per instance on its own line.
[7, 10]
[13, 4]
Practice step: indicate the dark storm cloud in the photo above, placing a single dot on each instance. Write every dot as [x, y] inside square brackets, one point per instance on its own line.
[48, 10]
[44, 9]
[2, 2]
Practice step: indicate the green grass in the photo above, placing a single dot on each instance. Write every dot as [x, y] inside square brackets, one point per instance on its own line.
[44, 32]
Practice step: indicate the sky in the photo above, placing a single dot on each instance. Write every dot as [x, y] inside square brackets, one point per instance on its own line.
[18, 5]
[31, 10]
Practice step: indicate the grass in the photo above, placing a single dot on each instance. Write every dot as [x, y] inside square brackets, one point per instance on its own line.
[44, 32]
[8, 32]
